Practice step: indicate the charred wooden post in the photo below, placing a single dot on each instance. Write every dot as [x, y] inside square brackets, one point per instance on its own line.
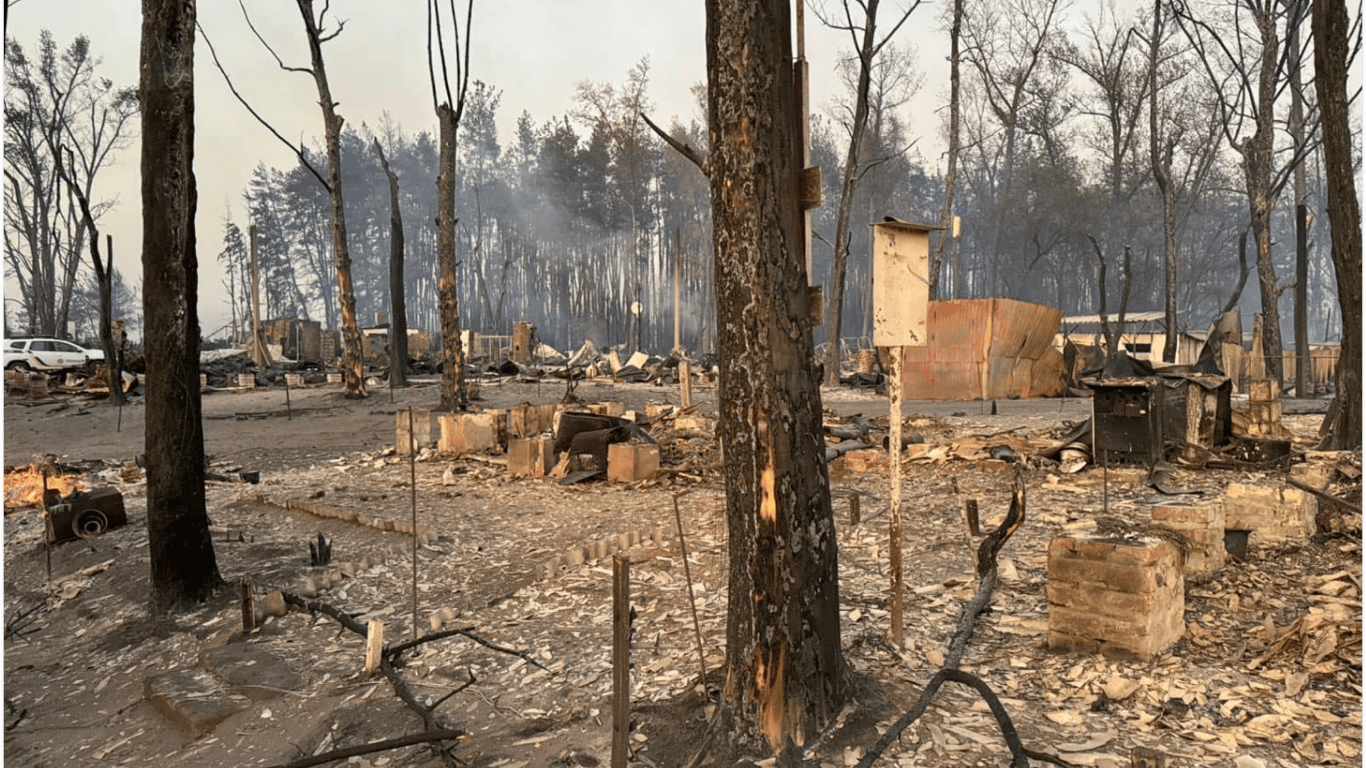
[374, 645]
[621, 659]
[854, 508]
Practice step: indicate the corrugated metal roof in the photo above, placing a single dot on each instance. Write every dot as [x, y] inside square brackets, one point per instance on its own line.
[1129, 317]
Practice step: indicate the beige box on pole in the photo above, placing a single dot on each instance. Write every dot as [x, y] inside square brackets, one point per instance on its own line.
[901, 286]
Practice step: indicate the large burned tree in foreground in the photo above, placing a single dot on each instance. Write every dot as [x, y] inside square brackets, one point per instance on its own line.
[184, 570]
[784, 667]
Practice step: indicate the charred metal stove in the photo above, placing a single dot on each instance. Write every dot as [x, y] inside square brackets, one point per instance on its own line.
[83, 514]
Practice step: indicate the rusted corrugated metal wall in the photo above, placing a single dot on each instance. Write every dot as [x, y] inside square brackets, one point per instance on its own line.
[985, 349]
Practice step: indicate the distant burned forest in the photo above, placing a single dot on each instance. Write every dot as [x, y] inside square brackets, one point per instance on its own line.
[574, 218]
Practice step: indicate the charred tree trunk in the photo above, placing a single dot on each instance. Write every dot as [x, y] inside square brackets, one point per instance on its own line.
[1258, 155]
[784, 667]
[1160, 149]
[951, 176]
[353, 373]
[398, 310]
[104, 280]
[1332, 43]
[184, 570]
[452, 351]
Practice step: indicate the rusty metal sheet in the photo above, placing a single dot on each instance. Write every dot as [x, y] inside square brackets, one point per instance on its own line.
[985, 349]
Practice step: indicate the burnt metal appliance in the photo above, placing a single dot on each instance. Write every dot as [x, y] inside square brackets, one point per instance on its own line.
[1141, 420]
[83, 514]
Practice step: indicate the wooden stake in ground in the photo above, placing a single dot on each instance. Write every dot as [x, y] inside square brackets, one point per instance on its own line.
[621, 658]
[374, 645]
[684, 383]
[248, 609]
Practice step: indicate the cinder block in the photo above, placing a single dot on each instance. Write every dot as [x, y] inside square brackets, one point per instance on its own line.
[1273, 512]
[607, 409]
[246, 380]
[1263, 390]
[463, 433]
[629, 462]
[864, 460]
[531, 457]
[408, 442]
[334, 379]
[1120, 597]
[1202, 525]
[693, 424]
[655, 410]
[294, 379]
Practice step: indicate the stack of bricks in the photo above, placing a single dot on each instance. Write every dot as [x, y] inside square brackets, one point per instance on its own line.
[1121, 597]
[1264, 408]
[1202, 526]
[1273, 512]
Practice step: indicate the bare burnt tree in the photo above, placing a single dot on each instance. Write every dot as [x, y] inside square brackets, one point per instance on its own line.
[1336, 42]
[55, 99]
[104, 281]
[868, 47]
[785, 676]
[1246, 67]
[1113, 331]
[448, 113]
[1007, 42]
[353, 373]
[398, 310]
[946, 231]
[184, 569]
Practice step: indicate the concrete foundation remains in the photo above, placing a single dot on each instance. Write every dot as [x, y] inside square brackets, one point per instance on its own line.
[531, 456]
[463, 433]
[527, 420]
[1273, 512]
[1117, 596]
[1202, 525]
[629, 462]
[409, 442]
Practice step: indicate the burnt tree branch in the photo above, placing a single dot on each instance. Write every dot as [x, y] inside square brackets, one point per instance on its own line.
[375, 746]
[682, 148]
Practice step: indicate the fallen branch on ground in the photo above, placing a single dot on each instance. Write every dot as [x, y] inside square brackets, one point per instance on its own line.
[987, 552]
[1020, 755]
[986, 571]
[374, 746]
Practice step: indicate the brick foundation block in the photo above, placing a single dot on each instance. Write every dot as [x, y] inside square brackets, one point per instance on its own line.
[408, 441]
[463, 433]
[531, 456]
[629, 463]
[1273, 512]
[1119, 597]
[527, 420]
[1203, 526]
[1263, 390]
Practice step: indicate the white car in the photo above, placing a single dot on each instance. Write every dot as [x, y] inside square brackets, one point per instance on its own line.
[41, 354]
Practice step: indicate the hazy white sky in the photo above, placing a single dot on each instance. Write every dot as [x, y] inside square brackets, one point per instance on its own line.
[534, 50]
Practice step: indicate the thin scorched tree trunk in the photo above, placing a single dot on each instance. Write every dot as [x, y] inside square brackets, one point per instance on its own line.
[352, 351]
[398, 323]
